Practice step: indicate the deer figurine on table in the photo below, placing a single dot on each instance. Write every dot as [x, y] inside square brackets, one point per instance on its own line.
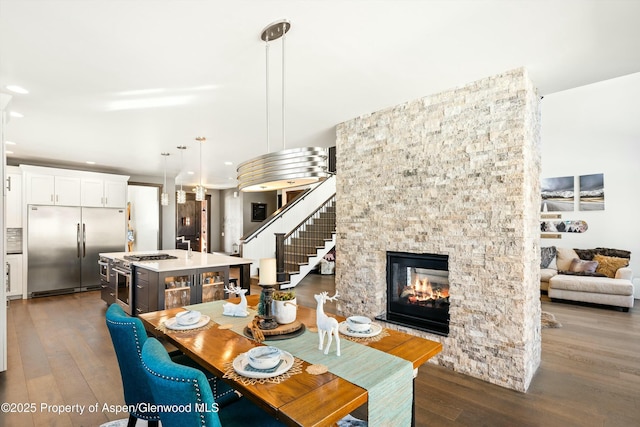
[236, 310]
[325, 323]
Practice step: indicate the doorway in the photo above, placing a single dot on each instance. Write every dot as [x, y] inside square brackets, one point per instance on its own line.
[143, 217]
[192, 222]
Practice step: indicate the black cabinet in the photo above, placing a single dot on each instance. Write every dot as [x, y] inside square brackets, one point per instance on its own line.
[163, 290]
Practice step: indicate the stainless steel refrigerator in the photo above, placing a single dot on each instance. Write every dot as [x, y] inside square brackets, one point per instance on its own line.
[63, 245]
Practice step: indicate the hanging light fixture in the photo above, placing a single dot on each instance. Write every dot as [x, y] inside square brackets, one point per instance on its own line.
[200, 190]
[181, 195]
[164, 197]
[286, 168]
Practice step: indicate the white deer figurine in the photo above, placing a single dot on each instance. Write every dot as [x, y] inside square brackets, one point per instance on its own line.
[326, 323]
[236, 310]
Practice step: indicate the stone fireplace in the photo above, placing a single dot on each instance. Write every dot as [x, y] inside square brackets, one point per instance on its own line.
[453, 174]
[418, 291]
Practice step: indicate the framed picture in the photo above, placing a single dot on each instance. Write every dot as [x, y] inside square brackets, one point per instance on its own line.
[557, 194]
[258, 212]
[592, 192]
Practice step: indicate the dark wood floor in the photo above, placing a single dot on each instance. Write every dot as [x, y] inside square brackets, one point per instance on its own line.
[59, 352]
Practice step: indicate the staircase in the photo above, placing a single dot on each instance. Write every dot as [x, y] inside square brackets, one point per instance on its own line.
[304, 231]
[305, 246]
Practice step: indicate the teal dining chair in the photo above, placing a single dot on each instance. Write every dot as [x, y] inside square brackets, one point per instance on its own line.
[186, 395]
[129, 336]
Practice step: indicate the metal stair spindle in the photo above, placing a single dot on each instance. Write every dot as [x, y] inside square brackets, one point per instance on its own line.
[308, 237]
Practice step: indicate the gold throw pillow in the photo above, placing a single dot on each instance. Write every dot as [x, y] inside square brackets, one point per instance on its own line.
[608, 265]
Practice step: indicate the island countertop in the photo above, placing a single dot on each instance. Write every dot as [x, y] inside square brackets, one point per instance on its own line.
[182, 262]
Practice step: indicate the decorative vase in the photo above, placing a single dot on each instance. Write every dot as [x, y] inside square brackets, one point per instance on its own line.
[284, 311]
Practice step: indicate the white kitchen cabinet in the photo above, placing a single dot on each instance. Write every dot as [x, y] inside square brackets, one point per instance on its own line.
[14, 275]
[14, 198]
[92, 192]
[103, 193]
[115, 194]
[53, 190]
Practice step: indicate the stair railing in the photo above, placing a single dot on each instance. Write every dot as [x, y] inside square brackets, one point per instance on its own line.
[299, 244]
[260, 245]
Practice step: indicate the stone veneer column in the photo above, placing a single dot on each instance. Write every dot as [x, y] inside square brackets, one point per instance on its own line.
[455, 173]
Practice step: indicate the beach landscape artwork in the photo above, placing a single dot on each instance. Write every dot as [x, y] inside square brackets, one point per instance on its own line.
[558, 194]
[592, 192]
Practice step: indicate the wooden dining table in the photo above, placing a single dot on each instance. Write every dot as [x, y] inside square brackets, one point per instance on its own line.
[303, 399]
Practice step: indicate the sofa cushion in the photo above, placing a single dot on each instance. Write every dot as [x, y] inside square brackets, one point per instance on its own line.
[547, 273]
[582, 273]
[624, 273]
[609, 265]
[578, 266]
[597, 285]
[588, 254]
[546, 256]
[564, 256]
[619, 253]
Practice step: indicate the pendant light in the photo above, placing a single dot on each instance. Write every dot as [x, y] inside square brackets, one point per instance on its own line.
[181, 195]
[200, 190]
[164, 197]
[286, 168]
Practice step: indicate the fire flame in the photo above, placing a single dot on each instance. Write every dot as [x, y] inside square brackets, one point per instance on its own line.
[424, 290]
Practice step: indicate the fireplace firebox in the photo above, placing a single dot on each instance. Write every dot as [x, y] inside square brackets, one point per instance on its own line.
[418, 291]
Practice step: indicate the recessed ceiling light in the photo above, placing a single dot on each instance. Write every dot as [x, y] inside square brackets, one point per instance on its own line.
[16, 115]
[10, 143]
[190, 172]
[9, 152]
[89, 162]
[17, 89]
[230, 178]
[228, 163]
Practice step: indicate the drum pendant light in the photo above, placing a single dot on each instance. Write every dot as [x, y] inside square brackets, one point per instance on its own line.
[289, 167]
[164, 197]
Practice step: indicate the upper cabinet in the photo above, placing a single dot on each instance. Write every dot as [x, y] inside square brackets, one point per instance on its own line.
[106, 193]
[14, 197]
[53, 190]
[48, 186]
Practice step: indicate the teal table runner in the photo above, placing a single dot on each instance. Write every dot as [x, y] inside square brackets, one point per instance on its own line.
[388, 379]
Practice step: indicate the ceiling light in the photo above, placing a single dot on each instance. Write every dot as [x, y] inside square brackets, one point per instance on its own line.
[228, 163]
[89, 162]
[164, 197]
[274, 171]
[10, 143]
[181, 195]
[191, 173]
[17, 89]
[200, 190]
[16, 115]
[8, 152]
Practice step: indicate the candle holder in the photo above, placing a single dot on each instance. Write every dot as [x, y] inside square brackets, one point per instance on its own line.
[267, 322]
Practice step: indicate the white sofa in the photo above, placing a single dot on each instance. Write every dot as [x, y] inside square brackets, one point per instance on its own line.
[561, 283]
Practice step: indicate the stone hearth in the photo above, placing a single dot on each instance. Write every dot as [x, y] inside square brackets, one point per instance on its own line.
[457, 174]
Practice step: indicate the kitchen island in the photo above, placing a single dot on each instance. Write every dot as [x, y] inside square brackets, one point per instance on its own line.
[140, 284]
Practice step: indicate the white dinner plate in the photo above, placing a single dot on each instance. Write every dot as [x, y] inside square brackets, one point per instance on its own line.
[375, 329]
[241, 362]
[173, 324]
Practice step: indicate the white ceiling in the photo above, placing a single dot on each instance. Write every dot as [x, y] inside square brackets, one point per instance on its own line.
[119, 82]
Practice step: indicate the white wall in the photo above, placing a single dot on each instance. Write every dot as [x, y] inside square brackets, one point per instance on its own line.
[145, 219]
[168, 225]
[4, 106]
[594, 129]
[232, 219]
[268, 197]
